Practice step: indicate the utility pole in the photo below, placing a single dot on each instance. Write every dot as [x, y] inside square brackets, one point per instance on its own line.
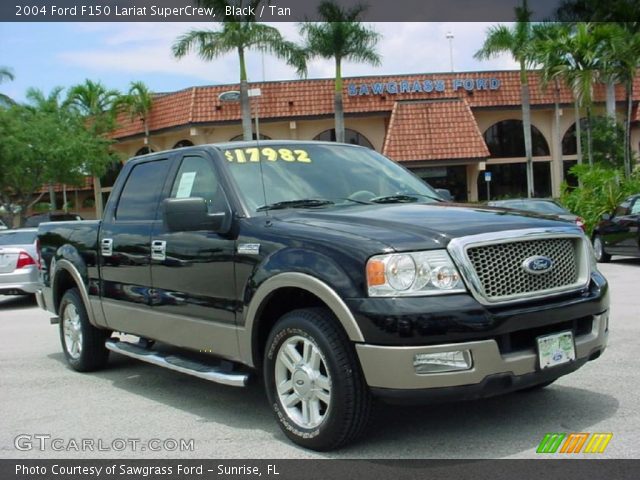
[450, 38]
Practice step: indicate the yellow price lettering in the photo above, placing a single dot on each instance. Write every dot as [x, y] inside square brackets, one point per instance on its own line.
[286, 155]
[255, 155]
[302, 156]
[270, 154]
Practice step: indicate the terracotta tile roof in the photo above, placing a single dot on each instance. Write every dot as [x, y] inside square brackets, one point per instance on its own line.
[57, 187]
[308, 98]
[433, 130]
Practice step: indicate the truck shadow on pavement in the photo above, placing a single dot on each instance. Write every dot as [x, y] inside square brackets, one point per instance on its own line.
[17, 302]
[489, 428]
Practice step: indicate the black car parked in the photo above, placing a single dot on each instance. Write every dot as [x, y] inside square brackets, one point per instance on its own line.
[619, 234]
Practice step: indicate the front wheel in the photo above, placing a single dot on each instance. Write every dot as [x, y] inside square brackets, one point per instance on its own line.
[598, 248]
[313, 380]
[82, 343]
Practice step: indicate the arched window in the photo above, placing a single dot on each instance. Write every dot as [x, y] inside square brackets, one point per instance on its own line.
[506, 140]
[143, 151]
[239, 138]
[183, 143]
[109, 178]
[350, 136]
[569, 143]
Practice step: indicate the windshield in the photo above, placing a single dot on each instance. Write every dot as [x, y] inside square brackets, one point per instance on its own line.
[18, 237]
[336, 173]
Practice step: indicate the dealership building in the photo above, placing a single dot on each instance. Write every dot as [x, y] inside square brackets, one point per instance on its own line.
[447, 128]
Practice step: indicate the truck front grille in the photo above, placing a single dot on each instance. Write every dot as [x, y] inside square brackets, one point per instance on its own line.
[499, 266]
[502, 267]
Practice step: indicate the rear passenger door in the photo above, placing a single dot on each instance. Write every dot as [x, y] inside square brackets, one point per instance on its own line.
[194, 294]
[124, 246]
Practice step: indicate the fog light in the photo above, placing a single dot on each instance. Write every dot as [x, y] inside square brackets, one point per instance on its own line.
[442, 361]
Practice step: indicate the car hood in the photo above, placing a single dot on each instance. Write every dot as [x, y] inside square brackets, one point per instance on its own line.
[404, 227]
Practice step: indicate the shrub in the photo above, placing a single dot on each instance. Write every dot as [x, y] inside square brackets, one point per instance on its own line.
[601, 189]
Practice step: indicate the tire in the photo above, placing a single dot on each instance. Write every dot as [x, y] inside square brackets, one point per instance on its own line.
[540, 386]
[598, 248]
[82, 343]
[330, 389]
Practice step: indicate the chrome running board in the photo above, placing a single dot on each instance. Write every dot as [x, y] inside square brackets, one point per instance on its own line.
[180, 364]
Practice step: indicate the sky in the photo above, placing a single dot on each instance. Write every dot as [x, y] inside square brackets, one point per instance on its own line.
[46, 55]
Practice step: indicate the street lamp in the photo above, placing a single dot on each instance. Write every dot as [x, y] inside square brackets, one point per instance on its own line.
[450, 38]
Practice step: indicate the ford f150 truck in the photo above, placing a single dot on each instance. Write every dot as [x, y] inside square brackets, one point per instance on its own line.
[328, 270]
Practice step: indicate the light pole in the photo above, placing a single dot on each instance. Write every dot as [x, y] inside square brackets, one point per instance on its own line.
[450, 38]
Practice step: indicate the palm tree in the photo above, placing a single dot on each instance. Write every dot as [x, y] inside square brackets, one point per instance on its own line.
[99, 104]
[342, 37]
[517, 41]
[240, 34]
[624, 55]
[5, 74]
[138, 102]
[545, 37]
[93, 100]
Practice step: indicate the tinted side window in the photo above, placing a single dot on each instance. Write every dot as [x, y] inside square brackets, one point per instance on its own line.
[197, 178]
[140, 195]
[635, 210]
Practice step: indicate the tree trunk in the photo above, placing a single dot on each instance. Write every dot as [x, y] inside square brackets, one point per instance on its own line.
[558, 141]
[64, 198]
[147, 139]
[589, 137]
[245, 107]
[526, 125]
[576, 109]
[627, 132]
[337, 103]
[52, 197]
[611, 100]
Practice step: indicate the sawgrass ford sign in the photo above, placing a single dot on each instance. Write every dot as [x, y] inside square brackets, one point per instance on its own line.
[423, 86]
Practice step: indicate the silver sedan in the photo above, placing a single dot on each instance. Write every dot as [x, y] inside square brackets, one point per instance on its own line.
[19, 262]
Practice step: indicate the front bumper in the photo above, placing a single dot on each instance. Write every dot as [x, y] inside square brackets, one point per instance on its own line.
[389, 370]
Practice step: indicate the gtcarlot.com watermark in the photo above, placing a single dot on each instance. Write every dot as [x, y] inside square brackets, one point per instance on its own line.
[27, 442]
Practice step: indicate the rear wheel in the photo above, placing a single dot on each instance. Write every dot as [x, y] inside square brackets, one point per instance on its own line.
[82, 343]
[313, 380]
[598, 248]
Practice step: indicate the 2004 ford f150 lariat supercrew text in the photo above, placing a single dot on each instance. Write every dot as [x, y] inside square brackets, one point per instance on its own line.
[330, 271]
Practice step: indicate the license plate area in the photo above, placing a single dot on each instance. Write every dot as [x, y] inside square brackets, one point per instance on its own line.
[555, 349]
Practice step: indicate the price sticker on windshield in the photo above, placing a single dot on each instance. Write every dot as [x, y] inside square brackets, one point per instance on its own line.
[254, 155]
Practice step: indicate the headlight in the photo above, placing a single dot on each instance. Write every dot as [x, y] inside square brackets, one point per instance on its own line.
[413, 274]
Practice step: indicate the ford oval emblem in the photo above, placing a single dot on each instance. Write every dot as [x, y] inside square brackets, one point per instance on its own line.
[537, 265]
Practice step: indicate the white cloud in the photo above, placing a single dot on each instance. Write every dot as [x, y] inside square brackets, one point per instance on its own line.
[135, 48]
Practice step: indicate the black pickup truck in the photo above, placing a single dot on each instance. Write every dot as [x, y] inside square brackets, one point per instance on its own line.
[329, 271]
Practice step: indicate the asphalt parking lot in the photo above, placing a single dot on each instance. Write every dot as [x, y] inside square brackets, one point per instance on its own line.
[132, 400]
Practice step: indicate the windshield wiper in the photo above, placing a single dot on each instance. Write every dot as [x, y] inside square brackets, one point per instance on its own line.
[302, 203]
[403, 198]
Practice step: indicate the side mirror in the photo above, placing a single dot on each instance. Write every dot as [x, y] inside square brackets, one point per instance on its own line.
[191, 214]
[445, 194]
[606, 217]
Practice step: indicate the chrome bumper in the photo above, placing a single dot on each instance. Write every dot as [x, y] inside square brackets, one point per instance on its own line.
[392, 367]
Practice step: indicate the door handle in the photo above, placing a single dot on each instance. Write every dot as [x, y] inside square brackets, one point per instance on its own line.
[106, 247]
[158, 250]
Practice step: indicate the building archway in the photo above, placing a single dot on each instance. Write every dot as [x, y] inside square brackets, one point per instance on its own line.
[505, 139]
[144, 151]
[569, 141]
[350, 136]
[183, 143]
[239, 138]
